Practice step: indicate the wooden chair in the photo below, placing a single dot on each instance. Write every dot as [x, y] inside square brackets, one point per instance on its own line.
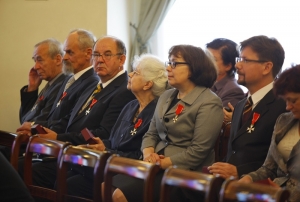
[232, 190]
[43, 146]
[221, 145]
[13, 141]
[131, 167]
[84, 157]
[206, 183]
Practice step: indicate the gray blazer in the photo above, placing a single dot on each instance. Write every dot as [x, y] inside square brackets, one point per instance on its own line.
[228, 90]
[189, 142]
[284, 173]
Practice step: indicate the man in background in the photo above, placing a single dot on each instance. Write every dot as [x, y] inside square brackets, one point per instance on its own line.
[261, 59]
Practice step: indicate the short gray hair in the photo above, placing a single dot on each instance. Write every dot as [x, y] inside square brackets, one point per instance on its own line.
[86, 39]
[54, 47]
[152, 69]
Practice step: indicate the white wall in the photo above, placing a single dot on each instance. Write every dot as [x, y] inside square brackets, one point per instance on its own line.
[23, 23]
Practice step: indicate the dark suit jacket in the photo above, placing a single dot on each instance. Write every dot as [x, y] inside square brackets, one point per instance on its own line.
[103, 115]
[43, 107]
[284, 173]
[86, 81]
[228, 90]
[247, 151]
[121, 140]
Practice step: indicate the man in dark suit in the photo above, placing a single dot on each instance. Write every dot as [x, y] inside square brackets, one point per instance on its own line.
[78, 49]
[47, 55]
[96, 111]
[260, 60]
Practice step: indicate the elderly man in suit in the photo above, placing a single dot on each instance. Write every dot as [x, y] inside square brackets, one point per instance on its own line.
[77, 60]
[47, 55]
[97, 109]
[254, 117]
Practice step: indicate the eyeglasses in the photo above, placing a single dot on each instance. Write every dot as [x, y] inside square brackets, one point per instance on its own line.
[135, 72]
[239, 59]
[105, 56]
[174, 64]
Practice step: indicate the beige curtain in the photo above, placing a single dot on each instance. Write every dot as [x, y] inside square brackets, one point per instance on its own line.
[152, 13]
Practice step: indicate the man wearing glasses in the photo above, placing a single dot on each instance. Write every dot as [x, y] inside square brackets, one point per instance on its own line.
[97, 109]
[254, 117]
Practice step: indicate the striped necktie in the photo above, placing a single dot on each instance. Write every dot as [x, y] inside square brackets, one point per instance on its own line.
[247, 110]
[97, 90]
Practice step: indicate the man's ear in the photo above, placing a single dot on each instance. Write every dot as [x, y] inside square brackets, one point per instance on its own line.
[58, 59]
[88, 53]
[268, 67]
[122, 59]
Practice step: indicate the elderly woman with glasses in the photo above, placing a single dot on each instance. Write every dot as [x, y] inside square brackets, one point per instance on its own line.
[147, 82]
[282, 164]
[185, 125]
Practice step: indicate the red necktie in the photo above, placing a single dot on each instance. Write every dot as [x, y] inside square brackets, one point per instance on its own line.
[247, 110]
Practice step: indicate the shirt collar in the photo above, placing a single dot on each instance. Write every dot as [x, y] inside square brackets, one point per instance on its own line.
[109, 81]
[258, 95]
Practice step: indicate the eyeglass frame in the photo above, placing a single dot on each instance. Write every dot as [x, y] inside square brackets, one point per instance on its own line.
[97, 55]
[174, 64]
[244, 60]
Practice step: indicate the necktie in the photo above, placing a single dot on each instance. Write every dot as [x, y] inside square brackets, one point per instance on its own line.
[69, 83]
[97, 90]
[247, 110]
[40, 96]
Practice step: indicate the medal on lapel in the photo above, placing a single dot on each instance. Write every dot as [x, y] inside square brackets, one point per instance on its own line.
[178, 111]
[136, 125]
[254, 119]
[62, 97]
[90, 107]
[40, 99]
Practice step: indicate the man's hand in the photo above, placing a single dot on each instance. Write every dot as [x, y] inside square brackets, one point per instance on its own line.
[26, 126]
[34, 80]
[49, 135]
[228, 115]
[225, 170]
[99, 146]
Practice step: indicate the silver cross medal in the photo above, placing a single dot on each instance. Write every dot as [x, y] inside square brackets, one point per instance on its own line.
[175, 118]
[58, 103]
[87, 111]
[250, 129]
[133, 132]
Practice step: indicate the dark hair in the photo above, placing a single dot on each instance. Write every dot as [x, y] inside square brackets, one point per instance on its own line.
[203, 70]
[228, 51]
[288, 81]
[268, 49]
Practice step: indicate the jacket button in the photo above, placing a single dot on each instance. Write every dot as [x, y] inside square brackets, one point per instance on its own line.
[233, 152]
[287, 175]
[166, 143]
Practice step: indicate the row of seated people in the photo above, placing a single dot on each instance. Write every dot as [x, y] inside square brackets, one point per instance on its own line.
[186, 120]
[105, 165]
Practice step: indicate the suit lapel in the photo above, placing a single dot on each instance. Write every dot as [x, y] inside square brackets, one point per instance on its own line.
[261, 108]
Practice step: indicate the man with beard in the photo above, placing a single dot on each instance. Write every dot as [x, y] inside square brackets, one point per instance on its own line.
[261, 59]
[97, 109]
[47, 55]
[78, 49]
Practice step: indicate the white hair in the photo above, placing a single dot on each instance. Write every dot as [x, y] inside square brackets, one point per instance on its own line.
[152, 69]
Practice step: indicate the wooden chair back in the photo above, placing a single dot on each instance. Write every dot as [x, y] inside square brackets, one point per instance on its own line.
[232, 190]
[13, 141]
[131, 167]
[53, 148]
[208, 184]
[221, 145]
[83, 157]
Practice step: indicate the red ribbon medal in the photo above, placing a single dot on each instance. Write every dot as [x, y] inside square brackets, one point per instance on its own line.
[62, 97]
[90, 107]
[254, 119]
[41, 98]
[138, 124]
[178, 111]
